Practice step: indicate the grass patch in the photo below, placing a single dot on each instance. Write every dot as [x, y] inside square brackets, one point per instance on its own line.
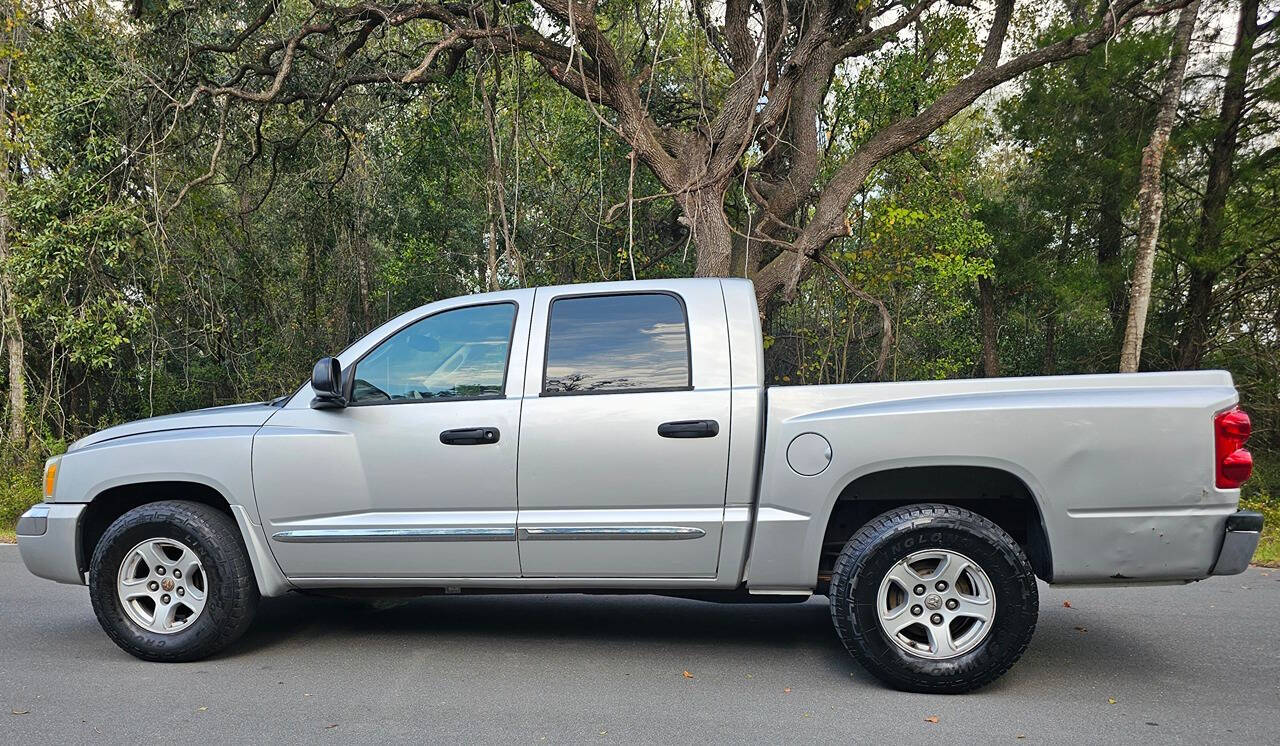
[19, 489]
[1268, 554]
[1262, 493]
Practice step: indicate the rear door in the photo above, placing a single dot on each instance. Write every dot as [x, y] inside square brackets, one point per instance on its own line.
[624, 433]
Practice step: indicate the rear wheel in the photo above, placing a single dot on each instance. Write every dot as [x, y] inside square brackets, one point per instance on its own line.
[171, 581]
[933, 598]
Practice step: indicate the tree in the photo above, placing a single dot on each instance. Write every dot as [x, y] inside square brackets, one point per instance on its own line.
[1208, 257]
[13, 17]
[744, 111]
[1151, 194]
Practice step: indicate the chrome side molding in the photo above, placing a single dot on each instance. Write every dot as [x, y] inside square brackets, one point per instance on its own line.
[541, 533]
[344, 535]
[651, 533]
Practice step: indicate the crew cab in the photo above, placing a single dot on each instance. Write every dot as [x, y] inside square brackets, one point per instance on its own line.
[620, 437]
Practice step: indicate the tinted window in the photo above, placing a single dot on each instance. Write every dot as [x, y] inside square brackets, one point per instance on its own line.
[617, 343]
[453, 354]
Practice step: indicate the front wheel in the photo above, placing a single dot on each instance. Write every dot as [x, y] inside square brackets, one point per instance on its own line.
[171, 581]
[933, 598]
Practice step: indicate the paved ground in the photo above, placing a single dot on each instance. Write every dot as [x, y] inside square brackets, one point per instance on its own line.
[1189, 664]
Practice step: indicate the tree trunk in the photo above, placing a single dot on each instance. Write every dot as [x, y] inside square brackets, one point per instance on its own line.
[987, 301]
[1050, 365]
[17, 426]
[1193, 339]
[12, 325]
[703, 214]
[1150, 192]
[1110, 268]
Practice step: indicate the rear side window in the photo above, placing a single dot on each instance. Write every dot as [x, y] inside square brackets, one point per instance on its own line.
[617, 343]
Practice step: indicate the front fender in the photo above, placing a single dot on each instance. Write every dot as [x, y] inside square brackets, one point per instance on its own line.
[216, 457]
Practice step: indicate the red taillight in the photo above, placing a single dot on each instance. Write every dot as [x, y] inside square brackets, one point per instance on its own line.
[1230, 432]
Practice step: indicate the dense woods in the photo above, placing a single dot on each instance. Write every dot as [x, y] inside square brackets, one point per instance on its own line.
[201, 198]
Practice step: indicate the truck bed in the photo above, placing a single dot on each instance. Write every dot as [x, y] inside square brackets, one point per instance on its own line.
[1119, 466]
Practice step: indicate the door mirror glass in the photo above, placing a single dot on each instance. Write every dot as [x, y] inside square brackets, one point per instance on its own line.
[326, 381]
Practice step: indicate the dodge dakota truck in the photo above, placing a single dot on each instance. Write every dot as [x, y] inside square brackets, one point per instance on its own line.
[619, 437]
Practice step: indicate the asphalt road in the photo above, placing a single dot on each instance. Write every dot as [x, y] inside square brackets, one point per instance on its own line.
[1189, 664]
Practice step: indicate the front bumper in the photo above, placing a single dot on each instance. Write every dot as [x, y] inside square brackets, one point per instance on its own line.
[1239, 541]
[49, 541]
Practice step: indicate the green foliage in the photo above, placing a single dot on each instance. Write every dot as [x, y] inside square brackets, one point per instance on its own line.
[319, 220]
[1262, 493]
[20, 480]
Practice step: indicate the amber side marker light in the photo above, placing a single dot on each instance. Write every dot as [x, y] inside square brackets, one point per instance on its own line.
[1231, 430]
[50, 478]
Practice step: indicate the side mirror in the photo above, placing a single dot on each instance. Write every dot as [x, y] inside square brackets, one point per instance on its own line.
[326, 381]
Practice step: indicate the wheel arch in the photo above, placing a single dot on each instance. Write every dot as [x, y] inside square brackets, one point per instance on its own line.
[105, 507]
[995, 493]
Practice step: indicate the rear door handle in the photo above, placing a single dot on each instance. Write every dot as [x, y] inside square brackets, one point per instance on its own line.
[689, 429]
[470, 436]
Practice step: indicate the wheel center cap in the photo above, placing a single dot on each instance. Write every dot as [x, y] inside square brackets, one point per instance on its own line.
[167, 584]
[933, 602]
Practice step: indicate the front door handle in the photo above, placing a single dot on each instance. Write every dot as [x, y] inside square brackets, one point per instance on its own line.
[470, 436]
[689, 429]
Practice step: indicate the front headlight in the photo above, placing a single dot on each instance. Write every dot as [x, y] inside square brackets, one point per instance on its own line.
[50, 477]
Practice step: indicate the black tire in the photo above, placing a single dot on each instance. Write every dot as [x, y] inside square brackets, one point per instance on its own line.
[889, 538]
[231, 591]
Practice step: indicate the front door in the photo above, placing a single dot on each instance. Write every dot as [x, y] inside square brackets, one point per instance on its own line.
[624, 438]
[416, 477]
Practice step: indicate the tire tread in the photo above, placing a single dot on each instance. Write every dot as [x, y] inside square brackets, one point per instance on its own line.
[860, 549]
[231, 607]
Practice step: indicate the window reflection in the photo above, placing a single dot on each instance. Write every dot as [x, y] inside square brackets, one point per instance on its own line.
[617, 343]
[454, 354]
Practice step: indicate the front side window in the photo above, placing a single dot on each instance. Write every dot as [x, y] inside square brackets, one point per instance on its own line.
[617, 343]
[455, 354]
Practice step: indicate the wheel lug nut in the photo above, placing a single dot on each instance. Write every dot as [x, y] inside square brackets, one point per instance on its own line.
[916, 610]
[941, 585]
[181, 591]
[177, 573]
[153, 585]
[936, 619]
[953, 604]
[159, 570]
[165, 599]
[919, 590]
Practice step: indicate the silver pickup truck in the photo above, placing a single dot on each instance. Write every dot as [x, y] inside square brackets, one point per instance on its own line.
[619, 437]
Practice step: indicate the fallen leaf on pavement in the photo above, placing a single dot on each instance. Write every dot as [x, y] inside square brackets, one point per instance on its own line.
[688, 675]
[1020, 736]
[202, 709]
[327, 727]
[786, 690]
[1066, 604]
[1081, 629]
[931, 719]
[20, 712]
[1111, 700]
